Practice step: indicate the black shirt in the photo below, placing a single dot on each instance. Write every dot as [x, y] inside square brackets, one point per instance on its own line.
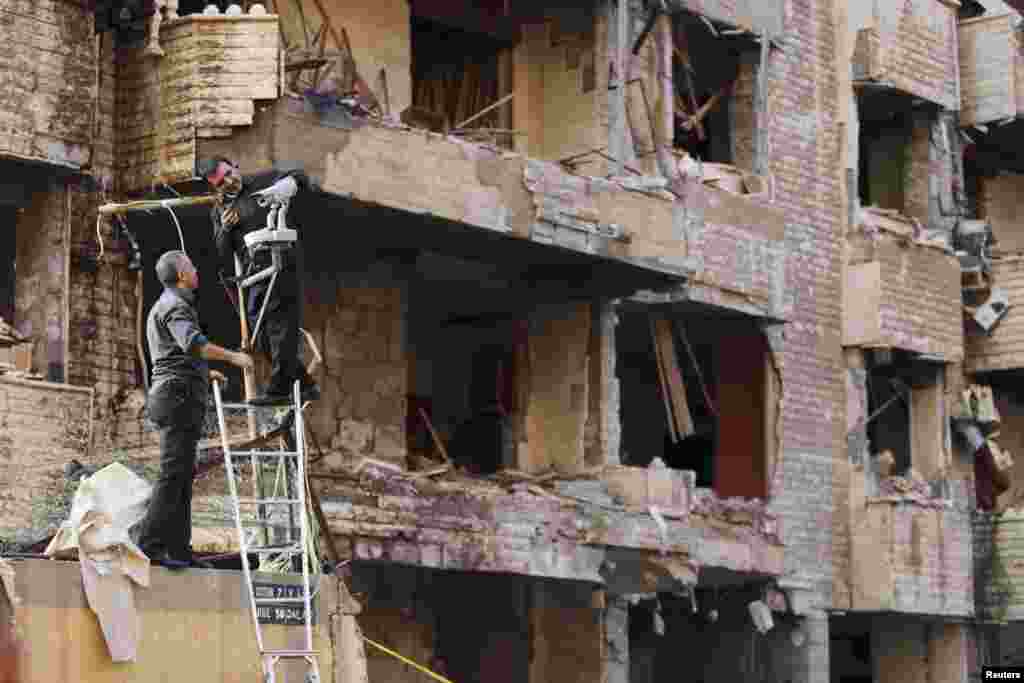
[175, 338]
[251, 216]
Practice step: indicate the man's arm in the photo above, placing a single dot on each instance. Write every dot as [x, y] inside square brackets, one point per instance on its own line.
[224, 243]
[210, 351]
[184, 327]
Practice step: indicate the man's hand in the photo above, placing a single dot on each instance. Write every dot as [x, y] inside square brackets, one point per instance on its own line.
[229, 217]
[218, 376]
[243, 360]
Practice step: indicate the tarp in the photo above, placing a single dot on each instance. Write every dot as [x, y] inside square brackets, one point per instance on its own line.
[105, 507]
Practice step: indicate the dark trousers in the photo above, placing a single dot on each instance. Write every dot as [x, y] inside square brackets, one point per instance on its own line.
[177, 407]
[279, 334]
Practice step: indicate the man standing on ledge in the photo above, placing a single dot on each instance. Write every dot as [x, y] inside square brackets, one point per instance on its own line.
[177, 405]
[238, 214]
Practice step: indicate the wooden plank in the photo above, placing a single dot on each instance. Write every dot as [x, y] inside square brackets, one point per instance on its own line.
[663, 383]
[676, 387]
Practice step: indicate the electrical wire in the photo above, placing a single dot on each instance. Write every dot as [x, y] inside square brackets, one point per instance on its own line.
[181, 235]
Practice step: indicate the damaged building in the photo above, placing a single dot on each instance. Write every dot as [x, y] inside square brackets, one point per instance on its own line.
[657, 340]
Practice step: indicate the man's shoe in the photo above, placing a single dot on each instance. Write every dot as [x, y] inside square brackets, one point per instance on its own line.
[168, 562]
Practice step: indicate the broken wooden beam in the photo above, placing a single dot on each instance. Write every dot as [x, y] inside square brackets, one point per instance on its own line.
[663, 384]
[153, 204]
[433, 435]
[674, 376]
[486, 110]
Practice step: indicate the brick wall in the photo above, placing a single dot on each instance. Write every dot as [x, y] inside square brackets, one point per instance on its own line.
[49, 87]
[912, 45]
[358, 321]
[921, 309]
[913, 559]
[44, 427]
[804, 138]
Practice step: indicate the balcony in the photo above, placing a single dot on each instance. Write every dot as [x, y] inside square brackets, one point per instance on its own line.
[900, 292]
[1003, 347]
[726, 241]
[565, 529]
[992, 70]
[910, 47]
[213, 71]
[912, 556]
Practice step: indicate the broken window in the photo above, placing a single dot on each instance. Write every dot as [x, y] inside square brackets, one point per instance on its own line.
[714, 78]
[884, 138]
[900, 138]
[698, 392]
[464, 371]
[458, 77]
[906, 428]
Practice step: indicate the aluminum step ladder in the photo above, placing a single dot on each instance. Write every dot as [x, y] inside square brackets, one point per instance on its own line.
[292, 506]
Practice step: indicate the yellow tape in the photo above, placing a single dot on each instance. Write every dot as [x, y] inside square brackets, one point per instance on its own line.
[408, 661]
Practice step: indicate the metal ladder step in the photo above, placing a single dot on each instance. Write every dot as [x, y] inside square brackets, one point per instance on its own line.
[264, 454]
[269, 501]
[249, 406]
[289, 653]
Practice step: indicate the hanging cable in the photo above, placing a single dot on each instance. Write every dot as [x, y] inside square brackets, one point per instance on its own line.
[181, 235]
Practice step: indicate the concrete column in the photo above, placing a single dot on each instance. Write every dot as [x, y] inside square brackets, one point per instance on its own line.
[809, 662]
[616, 640]
[603, 427]
[947, 652]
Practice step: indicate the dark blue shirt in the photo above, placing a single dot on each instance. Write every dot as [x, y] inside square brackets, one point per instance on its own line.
[175, 338]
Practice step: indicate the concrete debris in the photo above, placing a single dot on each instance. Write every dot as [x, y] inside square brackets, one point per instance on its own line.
[988, 314]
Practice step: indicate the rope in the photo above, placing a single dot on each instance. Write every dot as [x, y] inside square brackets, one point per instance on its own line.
[435, 676]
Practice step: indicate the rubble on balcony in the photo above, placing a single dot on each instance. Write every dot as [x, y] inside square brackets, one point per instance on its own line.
[544, 526]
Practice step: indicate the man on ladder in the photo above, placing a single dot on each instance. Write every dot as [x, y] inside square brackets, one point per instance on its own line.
[273, 304]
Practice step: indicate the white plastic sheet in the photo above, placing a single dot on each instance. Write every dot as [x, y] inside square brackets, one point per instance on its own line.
[104, 509]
